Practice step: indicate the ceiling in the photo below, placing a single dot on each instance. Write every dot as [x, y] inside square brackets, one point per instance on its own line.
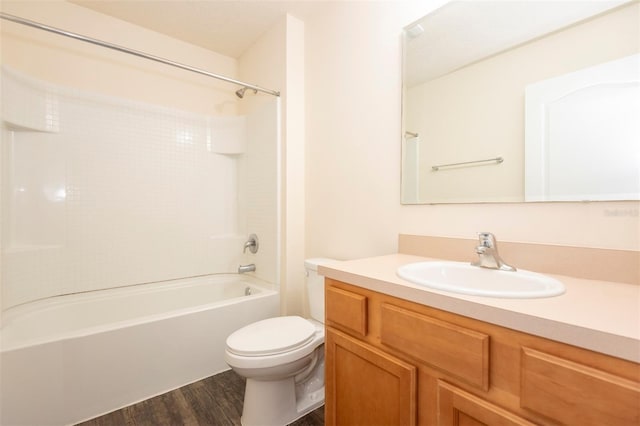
[224, 26]
[230, 27]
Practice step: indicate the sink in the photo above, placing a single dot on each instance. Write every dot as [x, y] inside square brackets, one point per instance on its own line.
[459, 277]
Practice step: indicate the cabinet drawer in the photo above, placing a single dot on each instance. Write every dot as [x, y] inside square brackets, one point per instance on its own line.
[456, 350]
[573, 393]
[346, 310]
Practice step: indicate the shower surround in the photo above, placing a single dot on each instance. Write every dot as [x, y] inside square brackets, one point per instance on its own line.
[100, 192]
[104, 193]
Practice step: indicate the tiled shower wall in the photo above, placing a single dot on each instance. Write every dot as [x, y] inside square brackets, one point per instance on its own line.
[100, 192]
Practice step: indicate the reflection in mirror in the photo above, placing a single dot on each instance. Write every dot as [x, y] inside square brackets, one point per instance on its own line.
[481, 77]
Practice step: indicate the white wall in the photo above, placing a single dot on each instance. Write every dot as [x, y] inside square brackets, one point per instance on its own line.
[353, 86]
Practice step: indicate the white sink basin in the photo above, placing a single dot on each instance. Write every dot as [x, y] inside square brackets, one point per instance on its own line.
[459, 277]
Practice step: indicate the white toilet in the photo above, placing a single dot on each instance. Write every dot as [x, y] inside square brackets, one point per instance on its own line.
[282, 359]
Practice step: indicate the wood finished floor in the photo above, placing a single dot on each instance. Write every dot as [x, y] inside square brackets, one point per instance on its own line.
[214, 401]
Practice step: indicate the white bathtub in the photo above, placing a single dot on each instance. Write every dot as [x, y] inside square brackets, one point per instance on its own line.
[71, 358]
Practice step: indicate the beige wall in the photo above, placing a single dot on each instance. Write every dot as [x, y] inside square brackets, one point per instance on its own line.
[353, 153]
[109, 72]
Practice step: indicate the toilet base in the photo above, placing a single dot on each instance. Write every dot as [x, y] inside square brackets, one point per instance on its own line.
[273, 403]
[309, 403]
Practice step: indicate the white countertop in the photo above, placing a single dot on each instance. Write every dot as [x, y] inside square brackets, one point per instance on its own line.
[597, 315]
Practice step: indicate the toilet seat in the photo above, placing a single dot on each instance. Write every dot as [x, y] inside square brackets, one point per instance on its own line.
[271, 337]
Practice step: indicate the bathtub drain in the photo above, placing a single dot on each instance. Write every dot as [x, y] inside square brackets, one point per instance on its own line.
[247, 291]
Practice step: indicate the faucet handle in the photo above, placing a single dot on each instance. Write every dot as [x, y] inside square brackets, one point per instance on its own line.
[487, 239]
[252, 244]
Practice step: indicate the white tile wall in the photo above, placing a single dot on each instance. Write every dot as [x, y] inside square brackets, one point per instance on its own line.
[262, 188]
[120, 193]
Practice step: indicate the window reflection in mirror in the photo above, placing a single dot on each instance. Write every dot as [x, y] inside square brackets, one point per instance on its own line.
[469, 68]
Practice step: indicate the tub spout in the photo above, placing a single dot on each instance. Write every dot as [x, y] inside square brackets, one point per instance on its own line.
[246, 268]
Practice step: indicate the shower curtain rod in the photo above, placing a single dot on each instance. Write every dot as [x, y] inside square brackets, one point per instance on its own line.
[112, 46]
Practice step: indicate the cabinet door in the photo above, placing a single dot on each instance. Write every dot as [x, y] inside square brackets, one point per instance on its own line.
[460, 408]
[365, 386]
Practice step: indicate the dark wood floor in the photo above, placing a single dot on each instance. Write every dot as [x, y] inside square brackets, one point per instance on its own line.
[216, 400]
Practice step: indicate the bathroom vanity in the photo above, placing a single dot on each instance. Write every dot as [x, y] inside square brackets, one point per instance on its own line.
[400, 354]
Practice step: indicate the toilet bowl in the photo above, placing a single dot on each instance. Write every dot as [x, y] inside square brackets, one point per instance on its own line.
[282, 360]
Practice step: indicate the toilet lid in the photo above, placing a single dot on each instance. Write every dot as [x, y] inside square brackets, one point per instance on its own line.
[271, 336]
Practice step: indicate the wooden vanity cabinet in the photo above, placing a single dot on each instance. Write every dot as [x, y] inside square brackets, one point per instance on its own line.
[394, 362]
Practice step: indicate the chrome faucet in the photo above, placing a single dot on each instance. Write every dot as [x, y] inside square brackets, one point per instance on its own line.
[488, 256]
[251, 244]
[246, 268]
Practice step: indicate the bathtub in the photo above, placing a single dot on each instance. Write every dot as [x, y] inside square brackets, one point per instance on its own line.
[71, 358]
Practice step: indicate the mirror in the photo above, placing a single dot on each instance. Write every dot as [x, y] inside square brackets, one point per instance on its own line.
[522, 101]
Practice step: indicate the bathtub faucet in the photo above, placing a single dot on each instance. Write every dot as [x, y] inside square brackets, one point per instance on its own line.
[246, 268]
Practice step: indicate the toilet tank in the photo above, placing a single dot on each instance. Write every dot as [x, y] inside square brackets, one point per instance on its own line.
[315, 287]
